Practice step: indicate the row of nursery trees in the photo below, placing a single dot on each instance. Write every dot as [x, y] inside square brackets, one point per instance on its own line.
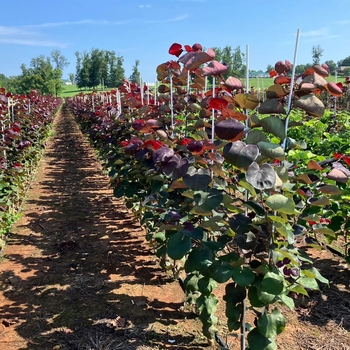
[225, 183]
[25, 122]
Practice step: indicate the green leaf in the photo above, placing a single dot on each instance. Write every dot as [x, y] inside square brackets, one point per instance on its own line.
[325, 230]
[243, 183]
[299, 289]
[206, 285]
[199, 259]
[233, 314]
[265, 298]
[318, 275]
[274, 126]
[309, 283]
[273, 283]
[159, 236]
[234, 294]
[270, 325]
[220, 272]
[288, 301]
[243, 277]
[253, 297]
[281, 204]
[209, 200]
[282, 172]
[191, 283]
[255, 136]
[197, 179]
[258, 342]
[336, 223]
[178, 245]
[271, 150]
[257, 208]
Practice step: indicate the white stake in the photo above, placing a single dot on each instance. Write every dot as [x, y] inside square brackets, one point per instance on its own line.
[213, 114]
[291, 89]
[171, 100]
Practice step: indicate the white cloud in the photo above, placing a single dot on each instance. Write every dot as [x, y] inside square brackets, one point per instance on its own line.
[179, 18]
[342, 23]
[144, 6]
[321, 33]
[32, 34]
[70, 23]
[22, 36]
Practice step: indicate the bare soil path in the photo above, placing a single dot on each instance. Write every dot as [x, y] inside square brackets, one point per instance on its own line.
[77, 273]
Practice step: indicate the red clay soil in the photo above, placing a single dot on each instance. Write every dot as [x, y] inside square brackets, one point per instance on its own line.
[77, 272]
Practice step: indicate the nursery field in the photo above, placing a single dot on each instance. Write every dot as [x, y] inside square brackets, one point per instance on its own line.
[199, 216]
[78, 273]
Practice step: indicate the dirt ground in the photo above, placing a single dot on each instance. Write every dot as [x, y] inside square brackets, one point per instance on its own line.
[77, 273]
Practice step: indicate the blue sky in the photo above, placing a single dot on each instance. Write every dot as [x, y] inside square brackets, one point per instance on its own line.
[145, 29]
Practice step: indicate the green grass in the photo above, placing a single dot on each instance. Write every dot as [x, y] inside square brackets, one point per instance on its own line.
[72, 90]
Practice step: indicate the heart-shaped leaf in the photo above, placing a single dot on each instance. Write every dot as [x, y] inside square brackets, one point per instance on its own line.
[311, 105]
[274, 126]
[247, 101]
[233, 83]
[176, 167]
[276, 91]
[270, 325]
[271, 106]
[281, 204]
[214, 68]
[271, 150]
[178, 245]
[197, 179]
[163, 154]
[261, 178]
[229, 129]
[239, 154]
[256, 136]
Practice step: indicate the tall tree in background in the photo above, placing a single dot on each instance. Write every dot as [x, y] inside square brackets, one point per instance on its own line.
[82, 71]
[269, 68]
[59, 60]
[135, 76]
[317, 53]
[95, 70]
[99, 67]
[40, 76]
[233, 59]
[71, 77]
[116, 71]
[332, 66]
[344, 62]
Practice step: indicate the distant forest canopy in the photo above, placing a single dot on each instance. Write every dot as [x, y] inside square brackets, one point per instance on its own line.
[103, 67]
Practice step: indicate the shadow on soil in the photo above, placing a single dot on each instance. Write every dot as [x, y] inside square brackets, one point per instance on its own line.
[332, 303]
[90, 282]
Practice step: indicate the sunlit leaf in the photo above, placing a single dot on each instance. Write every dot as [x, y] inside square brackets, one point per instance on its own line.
[247, 101]
[280, 203]
[311, 104]
[261, 178]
